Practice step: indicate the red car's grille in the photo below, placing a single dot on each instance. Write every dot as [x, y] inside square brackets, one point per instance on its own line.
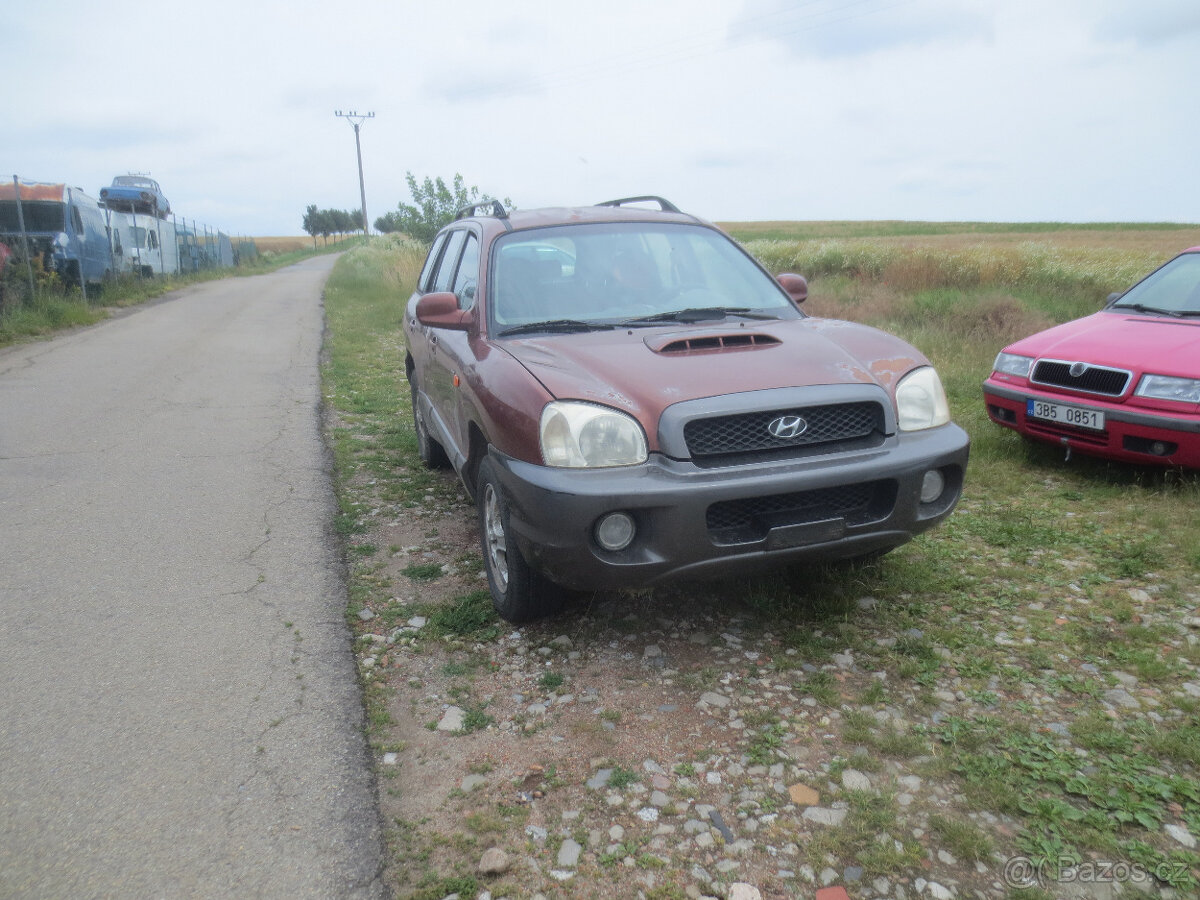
[749, 520]
[751, 433]
[1078, 376]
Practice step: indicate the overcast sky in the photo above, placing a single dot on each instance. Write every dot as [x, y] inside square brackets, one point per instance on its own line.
[983, 110]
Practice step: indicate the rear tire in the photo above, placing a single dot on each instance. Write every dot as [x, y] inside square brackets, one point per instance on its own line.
[519, 592]
[432, 454]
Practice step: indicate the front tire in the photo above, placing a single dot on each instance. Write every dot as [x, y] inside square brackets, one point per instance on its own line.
[519, 592]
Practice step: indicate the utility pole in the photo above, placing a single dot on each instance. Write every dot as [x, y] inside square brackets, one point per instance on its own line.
[356, 119]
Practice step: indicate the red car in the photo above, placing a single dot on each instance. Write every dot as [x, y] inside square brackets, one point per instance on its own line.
[1123, 383]
[630, 397]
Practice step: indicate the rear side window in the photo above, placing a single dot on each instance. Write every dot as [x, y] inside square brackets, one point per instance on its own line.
[430, 264]
[445, 273]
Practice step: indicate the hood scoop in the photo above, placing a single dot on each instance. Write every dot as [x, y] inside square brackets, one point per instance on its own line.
[710, 342]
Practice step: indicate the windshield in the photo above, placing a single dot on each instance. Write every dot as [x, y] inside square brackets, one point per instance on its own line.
[39, 216]
[619, 273]
[135, 181]
[1174, 289]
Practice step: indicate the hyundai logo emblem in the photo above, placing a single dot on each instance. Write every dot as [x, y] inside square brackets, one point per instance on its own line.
[787, 427]
[1077, 369]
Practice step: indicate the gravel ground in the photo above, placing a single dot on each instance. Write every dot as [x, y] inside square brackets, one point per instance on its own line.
[669, 745]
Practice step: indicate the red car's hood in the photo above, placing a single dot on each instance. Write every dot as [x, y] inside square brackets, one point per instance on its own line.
[645, 370]
[1131, 341]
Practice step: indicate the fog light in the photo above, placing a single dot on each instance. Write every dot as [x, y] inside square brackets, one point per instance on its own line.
[615, 531]
[932, 486]
[1158, 448]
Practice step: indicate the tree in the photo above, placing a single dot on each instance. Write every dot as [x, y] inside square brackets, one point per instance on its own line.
[330, 221]
[434, 205]
[312, 222]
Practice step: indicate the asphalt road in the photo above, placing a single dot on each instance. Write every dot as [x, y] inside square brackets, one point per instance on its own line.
[179, 714]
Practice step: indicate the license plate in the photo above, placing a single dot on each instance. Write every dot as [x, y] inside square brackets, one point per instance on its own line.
[1091, 419]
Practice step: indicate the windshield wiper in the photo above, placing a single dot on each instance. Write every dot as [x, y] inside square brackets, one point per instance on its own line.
[700, 314]
[1154, 310]
[564, 325]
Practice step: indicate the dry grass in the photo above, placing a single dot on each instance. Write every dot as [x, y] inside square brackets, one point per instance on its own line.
[1161, 240]
[283, 244]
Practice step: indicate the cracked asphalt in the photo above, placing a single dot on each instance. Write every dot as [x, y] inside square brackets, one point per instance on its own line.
[179, 711]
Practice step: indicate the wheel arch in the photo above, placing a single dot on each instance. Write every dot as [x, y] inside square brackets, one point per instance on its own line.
[477, 451]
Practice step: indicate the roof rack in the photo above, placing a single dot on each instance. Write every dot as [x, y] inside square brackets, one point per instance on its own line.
[493, 207]
[664, 205]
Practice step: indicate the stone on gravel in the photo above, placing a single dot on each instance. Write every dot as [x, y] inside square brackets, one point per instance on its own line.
[739, 890]
[803, 795]
[854, 780]
[600, 780]
[820, 815]
[568, 854]
[452, 720]
[494, 862]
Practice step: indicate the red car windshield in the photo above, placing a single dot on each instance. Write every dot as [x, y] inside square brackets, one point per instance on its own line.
[627, 274]
[1172, 290]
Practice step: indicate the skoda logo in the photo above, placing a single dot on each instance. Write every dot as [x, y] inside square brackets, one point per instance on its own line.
[787, 427]
[1077, 369]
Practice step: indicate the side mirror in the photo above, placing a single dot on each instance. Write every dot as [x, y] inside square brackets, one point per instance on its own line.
[1113, 298]
[795, 285]
[440, 310]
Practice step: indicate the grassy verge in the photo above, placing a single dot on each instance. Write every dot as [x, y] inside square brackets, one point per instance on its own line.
[55, 307]
[1038, 654]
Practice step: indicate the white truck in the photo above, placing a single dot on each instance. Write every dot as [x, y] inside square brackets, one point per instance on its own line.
[142, 244]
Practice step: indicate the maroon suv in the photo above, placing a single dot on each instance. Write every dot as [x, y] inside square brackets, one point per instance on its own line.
[630, 397]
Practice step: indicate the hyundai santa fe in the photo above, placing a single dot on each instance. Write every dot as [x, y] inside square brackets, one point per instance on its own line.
[629, 397]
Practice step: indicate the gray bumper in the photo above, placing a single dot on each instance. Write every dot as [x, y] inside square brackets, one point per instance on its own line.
[554, 511]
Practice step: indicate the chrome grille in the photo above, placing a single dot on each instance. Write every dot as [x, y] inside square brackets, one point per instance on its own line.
[1088, 379]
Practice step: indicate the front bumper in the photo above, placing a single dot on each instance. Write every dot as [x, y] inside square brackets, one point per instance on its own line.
[705, 522]
[1130, 435]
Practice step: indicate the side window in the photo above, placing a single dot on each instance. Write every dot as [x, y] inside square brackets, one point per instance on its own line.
[468, 273]
[77, 220]
[445, 273]
[430, 263]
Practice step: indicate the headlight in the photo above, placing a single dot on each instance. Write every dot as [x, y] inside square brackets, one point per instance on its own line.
[583, 435]
[1164, 387]
[920, 400]
[1011, 364]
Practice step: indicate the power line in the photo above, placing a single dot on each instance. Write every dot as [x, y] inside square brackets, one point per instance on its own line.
[356, 119]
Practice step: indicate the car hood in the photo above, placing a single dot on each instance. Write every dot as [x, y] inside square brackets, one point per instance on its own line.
[1120, 340]
[645, 370]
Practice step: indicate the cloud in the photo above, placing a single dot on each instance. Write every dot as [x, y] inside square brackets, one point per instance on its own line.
[830, 29]
[107, 135]
[482, 86]
[1150, 22]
